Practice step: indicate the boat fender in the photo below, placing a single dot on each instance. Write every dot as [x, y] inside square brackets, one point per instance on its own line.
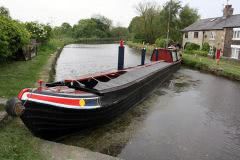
[14, 107]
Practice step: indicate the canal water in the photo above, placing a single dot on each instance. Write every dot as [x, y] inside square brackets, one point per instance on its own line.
[192, 116]
[80, 59]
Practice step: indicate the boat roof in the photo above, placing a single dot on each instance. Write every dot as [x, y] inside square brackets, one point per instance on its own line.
[133, 75]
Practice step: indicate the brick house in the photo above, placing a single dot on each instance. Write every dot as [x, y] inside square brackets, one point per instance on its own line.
[220, 32]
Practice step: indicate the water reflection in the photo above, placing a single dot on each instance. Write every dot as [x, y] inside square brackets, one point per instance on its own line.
[112, 138]
[193, 116]
[80, 59]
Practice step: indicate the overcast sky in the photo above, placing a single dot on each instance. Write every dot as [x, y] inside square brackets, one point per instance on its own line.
[120, 11]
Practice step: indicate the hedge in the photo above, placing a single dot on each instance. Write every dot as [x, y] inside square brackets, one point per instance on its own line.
[13, 36]
[191, 46]
[197, 52]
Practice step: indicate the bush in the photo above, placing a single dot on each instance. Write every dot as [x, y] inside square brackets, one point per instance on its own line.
[38, 31]
[160, 42]
[13, 36]
[200, 53]
[4, 12]
[206, 47]
[192, 46]
[119, 32]
[197, 52]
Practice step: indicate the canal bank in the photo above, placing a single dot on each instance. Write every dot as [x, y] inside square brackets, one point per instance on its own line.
[161, 127]
[226, 68]
[192, 116]
[16, 142]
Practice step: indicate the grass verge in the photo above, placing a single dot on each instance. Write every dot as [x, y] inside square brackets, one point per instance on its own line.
[226, 68]
[139, 46]
[16, 75]
[16, 142]
[1, 107]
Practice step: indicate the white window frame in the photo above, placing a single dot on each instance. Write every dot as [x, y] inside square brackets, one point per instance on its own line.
[235, 51]
[236, 34]
[212, 35]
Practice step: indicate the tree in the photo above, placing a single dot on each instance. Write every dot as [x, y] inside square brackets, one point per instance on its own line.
[153, 22]
[38, 31]
[4, 12]
[169, 14]
[85, 28]
[188, 16]
[92, 28]
[13, 36]
[104, 20]
[65, 30]
[148, 12]
[66, 27]
[137, 30]
[119, 32]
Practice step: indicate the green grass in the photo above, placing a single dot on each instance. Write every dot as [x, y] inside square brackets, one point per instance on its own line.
[226, 68]
[16, 142]
[1, 108]
[140, 46]
[16, 75]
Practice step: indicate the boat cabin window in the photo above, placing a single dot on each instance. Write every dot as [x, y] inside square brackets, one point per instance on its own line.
[103, 78]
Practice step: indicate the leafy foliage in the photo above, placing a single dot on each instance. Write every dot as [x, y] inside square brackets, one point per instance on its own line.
[4, 12]
[119, 32]
[148, 13]
[65, 30]
[136, 30]
[206, 46]
[38, 31]
[192, 46]
[153, 21]
[160, 42]
[169, 15]
[97, 27]
[197, 52]
[13, 36]
[188, 16]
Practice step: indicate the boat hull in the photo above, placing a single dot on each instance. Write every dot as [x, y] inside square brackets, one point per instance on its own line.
[50, 122]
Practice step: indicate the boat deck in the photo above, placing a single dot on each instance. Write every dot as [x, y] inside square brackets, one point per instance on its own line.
[132, 75]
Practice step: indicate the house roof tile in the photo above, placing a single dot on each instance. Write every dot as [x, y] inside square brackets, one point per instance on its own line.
[216, 23]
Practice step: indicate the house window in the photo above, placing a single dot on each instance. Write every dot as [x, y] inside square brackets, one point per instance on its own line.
[186, 35]
[236, 33]
[195, 34]
[212, 35]
[235, 51]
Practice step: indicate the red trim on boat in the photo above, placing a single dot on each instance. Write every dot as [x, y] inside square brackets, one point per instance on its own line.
[22, 92]
[73, 102]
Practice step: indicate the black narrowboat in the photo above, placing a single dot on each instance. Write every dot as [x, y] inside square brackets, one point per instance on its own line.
[60, 108]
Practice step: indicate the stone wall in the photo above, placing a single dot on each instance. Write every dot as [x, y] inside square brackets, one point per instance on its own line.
[217, 41]
[205, 36]
[191, 38]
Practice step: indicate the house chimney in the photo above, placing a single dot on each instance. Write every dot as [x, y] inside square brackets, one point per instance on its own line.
[227, 11]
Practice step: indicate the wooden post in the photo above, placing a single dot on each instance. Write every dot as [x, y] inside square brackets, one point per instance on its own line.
[121, 56]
